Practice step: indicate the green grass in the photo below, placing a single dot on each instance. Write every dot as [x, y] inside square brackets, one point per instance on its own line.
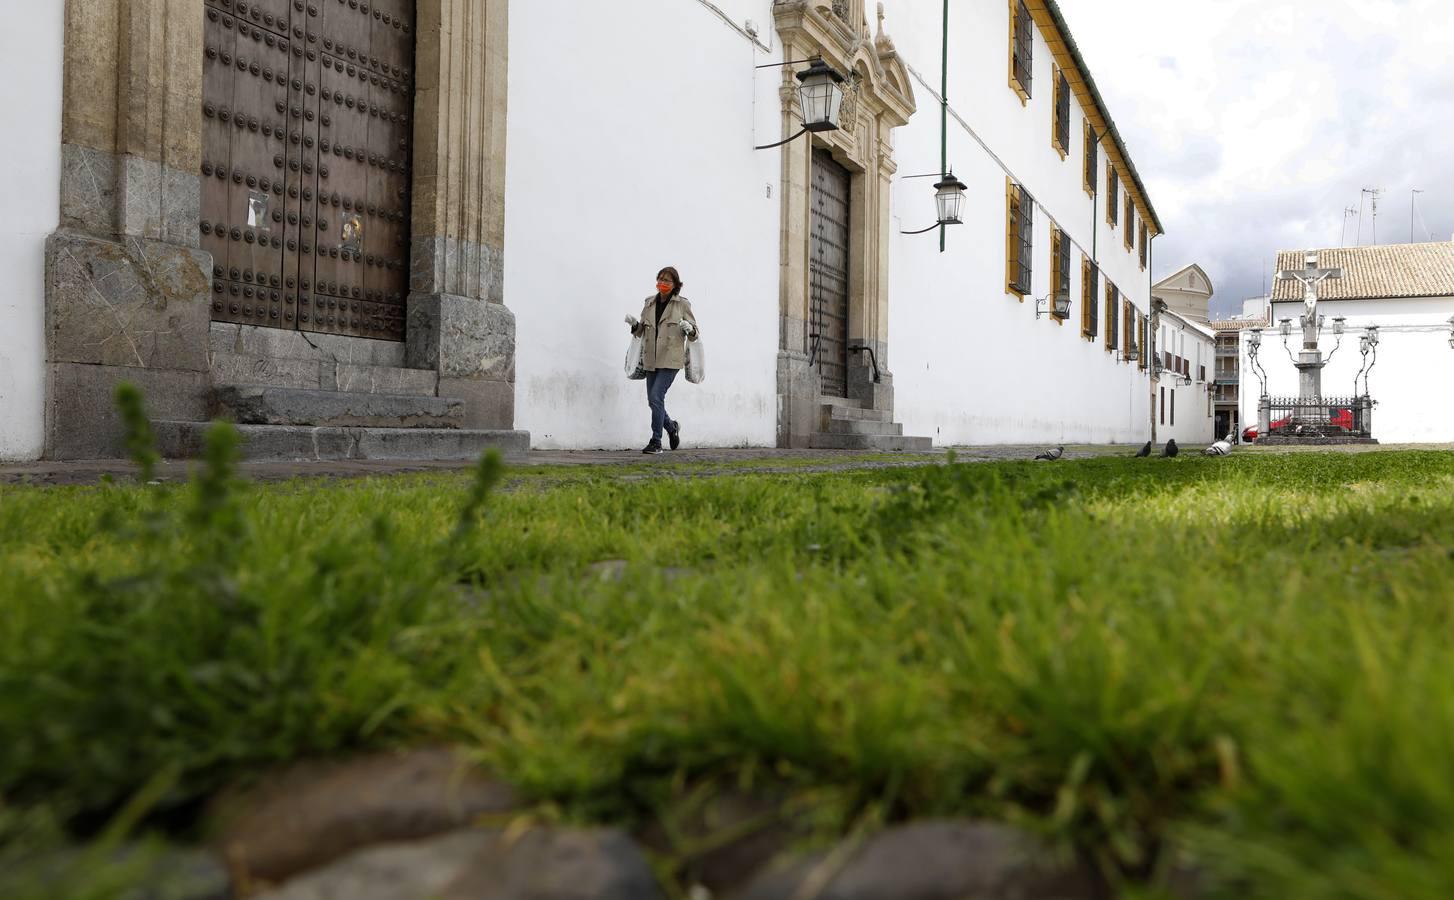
[1247, 660]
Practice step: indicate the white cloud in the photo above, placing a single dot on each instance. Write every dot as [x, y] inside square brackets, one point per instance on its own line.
[1255, 123]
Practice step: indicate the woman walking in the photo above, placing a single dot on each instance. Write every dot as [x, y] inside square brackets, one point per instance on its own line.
[666, 325]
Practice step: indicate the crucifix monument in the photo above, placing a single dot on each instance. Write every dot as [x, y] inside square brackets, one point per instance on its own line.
[1310, 361]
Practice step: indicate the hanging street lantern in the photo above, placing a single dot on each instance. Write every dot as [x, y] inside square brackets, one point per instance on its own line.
[821, 94]
[1062, 306]
[1254, 339]
[950, 199]
[1338, 325]
[1285, 327]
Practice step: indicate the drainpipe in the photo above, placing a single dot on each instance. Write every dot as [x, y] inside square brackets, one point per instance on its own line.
[1151, 328]
[944, 111]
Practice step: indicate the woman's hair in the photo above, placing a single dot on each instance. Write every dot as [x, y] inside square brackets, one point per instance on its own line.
[676, 280]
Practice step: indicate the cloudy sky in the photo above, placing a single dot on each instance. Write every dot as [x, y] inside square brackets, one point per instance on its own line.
[1256, 123]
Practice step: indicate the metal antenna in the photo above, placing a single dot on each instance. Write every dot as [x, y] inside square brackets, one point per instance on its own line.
[1375, 193]
[1412, 195]
[1348, 213]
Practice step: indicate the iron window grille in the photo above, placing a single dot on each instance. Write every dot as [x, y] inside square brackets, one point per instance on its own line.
[1062, 256]
[1092, 157]
[1023, 48]
[1144, 239]
[1090, 327]
[1113, 300]
[1022, 244]
[1130, 219]
[1113, 195]
[1062, 113]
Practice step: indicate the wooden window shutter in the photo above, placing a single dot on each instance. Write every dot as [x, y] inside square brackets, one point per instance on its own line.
[1130, 221]
[1090, 294]
[1092, 157]
[1113, 195]
[1144, 239]
[1012, 235]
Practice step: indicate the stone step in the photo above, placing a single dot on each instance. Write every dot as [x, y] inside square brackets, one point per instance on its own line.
[831, 412]
[841, 402]
[185, 440]
[875, 442]
[863, 426]
[252, 369]
[262, 405]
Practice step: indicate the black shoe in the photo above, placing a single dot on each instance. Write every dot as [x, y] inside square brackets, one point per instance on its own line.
[674, 435]
[653, 447]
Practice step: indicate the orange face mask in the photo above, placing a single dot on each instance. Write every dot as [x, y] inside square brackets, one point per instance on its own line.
[663, 287]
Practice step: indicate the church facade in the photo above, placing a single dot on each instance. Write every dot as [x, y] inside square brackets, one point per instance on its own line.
[411, 228]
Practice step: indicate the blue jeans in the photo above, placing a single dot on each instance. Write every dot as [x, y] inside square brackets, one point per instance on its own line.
[657, 383]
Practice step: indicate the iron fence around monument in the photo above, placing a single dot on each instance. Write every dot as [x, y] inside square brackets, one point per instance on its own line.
[1318, 417]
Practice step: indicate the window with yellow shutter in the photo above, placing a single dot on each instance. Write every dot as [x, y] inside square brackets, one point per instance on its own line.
[1019, 240]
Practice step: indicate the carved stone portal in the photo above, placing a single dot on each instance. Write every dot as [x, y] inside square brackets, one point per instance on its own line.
[878, 98]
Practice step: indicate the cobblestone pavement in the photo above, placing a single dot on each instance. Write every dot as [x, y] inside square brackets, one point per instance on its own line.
[702, 462]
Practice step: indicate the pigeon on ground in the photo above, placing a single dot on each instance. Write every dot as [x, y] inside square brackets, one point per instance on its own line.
[1144, 451]
[1220, 448]
[1171, 448]
[1051, 455]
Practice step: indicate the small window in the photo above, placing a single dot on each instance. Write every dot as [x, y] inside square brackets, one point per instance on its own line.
[1092, 157]
[1130, 221]
[1145, 238]
[1089, 285]
[1128, 324]
[1113, 195]
[1059, 269]
[1060, 135]
[1022, 46]
[1113, 303]
[1145, 342]
[1173, 406]
[1019, 240]
[1163, 406]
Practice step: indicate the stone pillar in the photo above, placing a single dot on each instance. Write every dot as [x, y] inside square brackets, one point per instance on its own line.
[127, 290]
[1264, 417]
[458, 325]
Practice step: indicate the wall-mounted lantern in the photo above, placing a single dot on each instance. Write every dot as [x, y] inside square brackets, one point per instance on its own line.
[1451, 332]
[949, 198]
[1339, 325]
[820, 94]
[1059, 308]
[948, 201]
[1132, 354]
[1284, 327]
[1254, 340]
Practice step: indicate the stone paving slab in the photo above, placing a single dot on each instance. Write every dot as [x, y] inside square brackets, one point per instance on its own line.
[710, 461]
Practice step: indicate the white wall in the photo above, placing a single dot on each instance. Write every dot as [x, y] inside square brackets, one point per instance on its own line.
[30, 107]
[971, 363]
[1410, 381]
[630, 149]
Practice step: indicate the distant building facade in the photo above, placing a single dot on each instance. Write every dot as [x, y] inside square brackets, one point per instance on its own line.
[1227, 374]
[1406, 291]
[1181, 401]
[1188, 293]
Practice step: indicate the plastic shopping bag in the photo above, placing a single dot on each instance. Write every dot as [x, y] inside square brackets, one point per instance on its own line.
[696, 361]
[635, 360]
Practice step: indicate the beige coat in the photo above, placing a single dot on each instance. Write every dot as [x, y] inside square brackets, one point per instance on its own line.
[667, 350]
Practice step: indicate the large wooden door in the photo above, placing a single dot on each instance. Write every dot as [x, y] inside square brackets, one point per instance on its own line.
[307, 111]
[828, 273]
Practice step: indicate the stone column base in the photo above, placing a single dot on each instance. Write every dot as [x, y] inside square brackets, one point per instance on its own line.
[471, 344]
[127, 310]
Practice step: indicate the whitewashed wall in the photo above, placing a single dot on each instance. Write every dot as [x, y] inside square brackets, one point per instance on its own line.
[30, 107]
[1410, 380]
[972, 364]
[630, 148]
